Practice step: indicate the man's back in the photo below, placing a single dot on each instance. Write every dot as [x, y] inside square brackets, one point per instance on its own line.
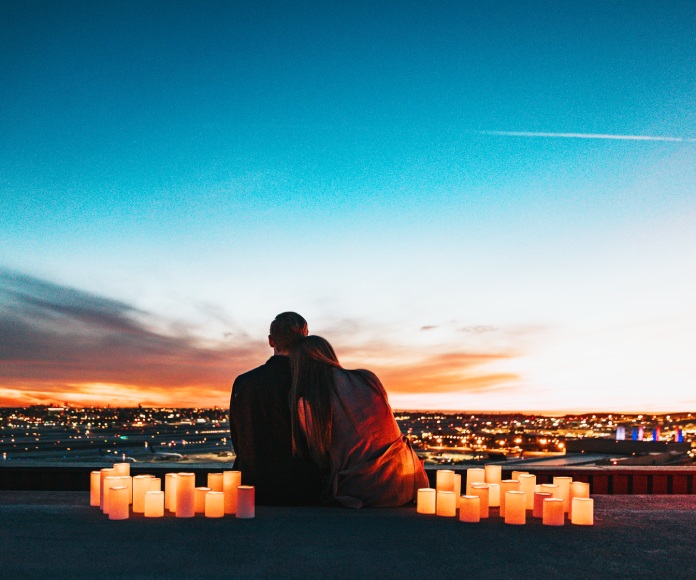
[262, 438]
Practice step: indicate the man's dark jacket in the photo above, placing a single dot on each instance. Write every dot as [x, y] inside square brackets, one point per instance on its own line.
[262, 437]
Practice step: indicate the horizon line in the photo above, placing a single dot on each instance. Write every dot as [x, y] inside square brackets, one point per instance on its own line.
[609, 136]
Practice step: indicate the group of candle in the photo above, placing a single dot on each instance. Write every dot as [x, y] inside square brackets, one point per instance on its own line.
[116, 493]
[485, 489]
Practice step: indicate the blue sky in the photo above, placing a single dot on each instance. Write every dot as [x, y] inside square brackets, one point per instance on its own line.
[201, 166]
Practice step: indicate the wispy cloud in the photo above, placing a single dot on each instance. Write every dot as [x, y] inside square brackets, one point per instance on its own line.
[588, 136]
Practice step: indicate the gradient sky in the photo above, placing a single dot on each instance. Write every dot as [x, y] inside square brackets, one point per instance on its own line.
[458, 195]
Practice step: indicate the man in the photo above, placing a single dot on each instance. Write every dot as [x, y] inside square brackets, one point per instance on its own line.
[260, 424]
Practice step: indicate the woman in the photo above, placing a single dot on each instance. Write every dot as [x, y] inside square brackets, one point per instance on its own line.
[342, 420]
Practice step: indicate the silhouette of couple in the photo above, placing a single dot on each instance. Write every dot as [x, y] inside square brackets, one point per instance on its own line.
[306, 430]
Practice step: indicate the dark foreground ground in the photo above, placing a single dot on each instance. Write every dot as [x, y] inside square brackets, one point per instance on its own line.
[57, 535]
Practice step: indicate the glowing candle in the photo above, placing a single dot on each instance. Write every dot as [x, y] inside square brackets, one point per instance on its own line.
[215, 482]
[199, 499]
[109, 482]
[141, 484]
[553, 514]
[527, 485]
[493, 495]
[155, 484]
[563, 484]
[170, 492]
[482, 491]
[154, 504]
[470, 508]
[185, 495]
[425, 503]
[505, 486]
[245, 500]
[474, 475]
[539, 497]
[515, 508]
[127, 481]
[582, 511]
[516, 474]
[537, 488]
[214, 504]
[578, 489]
[444, 480]
[118, 503]
[106, 472]
[493, 473]
[122, 468]
[94, 488]
[231, 480]
[551, 488]
[446, 504]
[457, 485]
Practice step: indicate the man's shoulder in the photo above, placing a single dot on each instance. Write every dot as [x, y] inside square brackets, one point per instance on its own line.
[269, 369]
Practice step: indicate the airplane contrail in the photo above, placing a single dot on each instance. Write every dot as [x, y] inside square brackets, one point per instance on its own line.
[588, 136]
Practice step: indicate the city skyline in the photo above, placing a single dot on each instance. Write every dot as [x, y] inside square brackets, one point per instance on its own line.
[489, 206]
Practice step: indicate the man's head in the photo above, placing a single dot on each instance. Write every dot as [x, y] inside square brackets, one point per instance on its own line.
[285, 330]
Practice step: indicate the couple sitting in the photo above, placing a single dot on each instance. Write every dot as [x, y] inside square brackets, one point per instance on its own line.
[307, 430]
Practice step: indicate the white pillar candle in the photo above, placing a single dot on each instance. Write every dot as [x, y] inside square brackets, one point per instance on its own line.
[446, 504]
[215, 481]
[118, 503]
[493, 473]
[444, 480]
[551, 488]
[214, 504]
[578, 489]
[515, 508]
[185, 495]
[199, 499]
[141, 484]
[246, 501]
[94, 488]
[582, 511]
[425, 503]
[170, 492]
[539, 497]
[155, 484]
[470, 508]
[231, 480]
[505, 486]
[457, 485]
[516, 474]
[109, 482]
[553, 514]
[527, 485]
[482, 491]
[474, 475]
[122, 468]
[563, 484]
[127, 481]
[494, 495]
[154, 504]
[537, 488]
[106, 472]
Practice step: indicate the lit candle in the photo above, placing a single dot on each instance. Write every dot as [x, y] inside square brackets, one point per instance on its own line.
[127, 481]
[94, 488]
[141, 484]
[553, 489]
[214, 504]
[537, 488]
[118, 503]
[425, 503]
[515, 508]
[155, 484]
[505, 486]
[231, 480]
[527, 485]
[109, 482]
[215, 482]
[539, 497]
[563, 484]
[493, 495]
[185, 495]
[553, 514]
[446, 504]
[170, 492]
[578, 489]
[470, 508]
[444, 480]
[493, 473]
[582, 511]
[457, 485]
[122, 468]
[246, 505]
[516, 474]
[474, 475]
[482, 491]
[199, 499]
[154, 504]
[106, 472]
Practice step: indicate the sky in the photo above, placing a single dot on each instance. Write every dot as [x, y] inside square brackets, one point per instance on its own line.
[491, 205]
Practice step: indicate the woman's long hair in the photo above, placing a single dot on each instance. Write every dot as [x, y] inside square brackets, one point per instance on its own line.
[312, 360]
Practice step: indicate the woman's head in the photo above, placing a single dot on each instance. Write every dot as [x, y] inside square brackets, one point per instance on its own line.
[313, 350]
